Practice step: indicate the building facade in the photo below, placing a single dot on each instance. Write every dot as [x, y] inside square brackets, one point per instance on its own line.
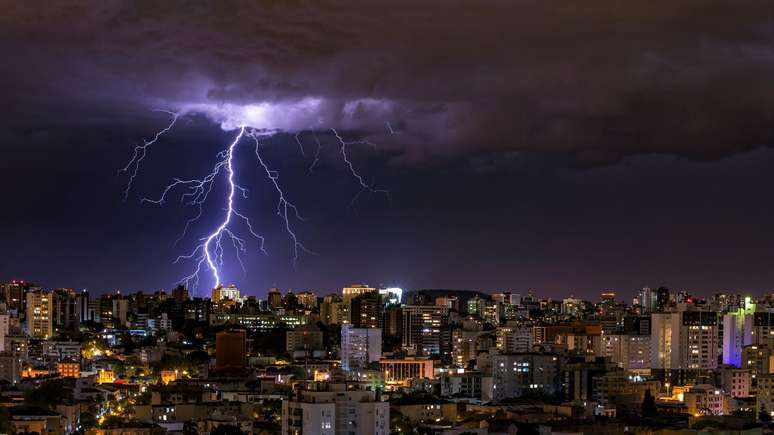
[332, 409]
[39, 311]
[360, 347]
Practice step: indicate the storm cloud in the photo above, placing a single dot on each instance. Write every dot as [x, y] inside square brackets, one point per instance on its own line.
[597, 80]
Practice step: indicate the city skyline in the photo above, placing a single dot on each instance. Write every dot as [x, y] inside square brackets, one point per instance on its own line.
[331, 217]
[382, 360]
[266, 295]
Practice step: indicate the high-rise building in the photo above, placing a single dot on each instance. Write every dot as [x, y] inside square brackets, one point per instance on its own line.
[514, 375]
[583, 339]
[307, 299]
[663, 298]
[95, 310]
[451, 302]
[82, 308]
[251, 305]
[350, 293]
[9, 371]
[333, 409]
[274, 298]
[5, 325]
[180, 294]
[738, 331]
[513, 339]
[366, 311]
[684, 341]
[762, 327]
[290, 301]
[331, 310]
[637, 325]
[120, 312]
[424, 327]
[765, 396]
[105, 306]
[507, 298]
[198, 309]
[231, 349]
[304, 338]
[758, 359]
[15, 295]
[476, 306]
[391, 295]
[393, 321]
[572, 306]
[647, 300]
[607, 297]
[355, 290]
[39, 311]
[64, 314]
[494, 312]
[629, 351]
[467, 343]
[360, 347]
[230, 293]
[14, 358]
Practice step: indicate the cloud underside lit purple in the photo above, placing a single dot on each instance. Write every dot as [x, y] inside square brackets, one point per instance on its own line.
[597, 80]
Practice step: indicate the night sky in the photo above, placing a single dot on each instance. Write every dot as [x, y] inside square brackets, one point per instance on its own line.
[566, 147]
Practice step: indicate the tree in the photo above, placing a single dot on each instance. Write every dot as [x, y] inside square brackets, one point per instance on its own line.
[649, 405]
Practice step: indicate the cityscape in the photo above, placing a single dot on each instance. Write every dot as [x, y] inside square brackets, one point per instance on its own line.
[337, 217]
[383, 361]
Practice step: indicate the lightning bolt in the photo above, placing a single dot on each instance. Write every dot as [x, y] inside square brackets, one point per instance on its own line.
[390, 129]
[208, 254]
[217, 235]
[140, 152]
[364, 187]
[300, 146]
[284, 207]
[316, 154]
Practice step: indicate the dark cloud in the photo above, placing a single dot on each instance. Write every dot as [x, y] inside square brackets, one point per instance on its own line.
[598, 80]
